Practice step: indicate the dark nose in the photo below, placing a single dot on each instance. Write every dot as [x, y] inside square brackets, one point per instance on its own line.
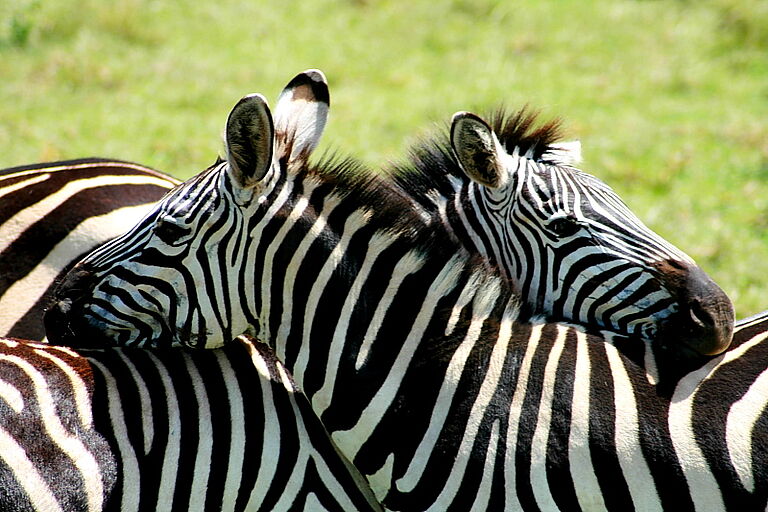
[60, 317]
[56, 325]
[704, 322]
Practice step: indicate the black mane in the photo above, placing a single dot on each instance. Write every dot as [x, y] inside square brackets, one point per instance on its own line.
[392, 204]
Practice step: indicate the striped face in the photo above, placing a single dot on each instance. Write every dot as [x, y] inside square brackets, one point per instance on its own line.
[577, 253]
[152, 283]
[54, 213]
[181, 276]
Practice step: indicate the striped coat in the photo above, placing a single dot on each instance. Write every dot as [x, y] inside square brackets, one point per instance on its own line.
[165, 430]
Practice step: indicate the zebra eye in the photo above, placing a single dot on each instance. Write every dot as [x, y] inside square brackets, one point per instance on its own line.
[170, 232]
[564, 226]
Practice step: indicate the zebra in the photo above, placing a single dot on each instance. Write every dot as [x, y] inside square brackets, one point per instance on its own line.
[642, 289]
[118, 429]
[409, 349]
[568, 243]
[51, 215]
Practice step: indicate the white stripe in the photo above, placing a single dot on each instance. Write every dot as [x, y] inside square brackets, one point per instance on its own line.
[36, 489]
[743, 416]
[290, 275]
[145, 403]
[271, 437]
[702, 484]
[131, 477]
[456, 368]
[540, 485]
[168, 474]
[267, 272]
[317, 288]
[79, 387]
[628, 447]
[740, 427]
[12, 396]
[33, 180]
[518, 396]
[356, 219]
[73, 447]
[237, 433]
[169, 181]
[256, 233]
[205, 436]
[379, 243]
[483, 496]
[22, 296]
[407, 265]
[582, 471]
[30, 215]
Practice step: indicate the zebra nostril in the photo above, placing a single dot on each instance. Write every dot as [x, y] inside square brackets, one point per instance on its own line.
[700, 316]
[55, 321]
[650, 331]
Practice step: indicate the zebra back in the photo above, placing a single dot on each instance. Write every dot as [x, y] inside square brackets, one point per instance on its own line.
[164, 430]
[52, 214]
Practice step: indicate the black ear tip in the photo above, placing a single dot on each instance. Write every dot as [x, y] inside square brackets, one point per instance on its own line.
[250, 100]
[467, 116]
[315, 80]
[461, 117]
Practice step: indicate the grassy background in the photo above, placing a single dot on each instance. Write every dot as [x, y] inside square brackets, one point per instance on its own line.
[669, 98]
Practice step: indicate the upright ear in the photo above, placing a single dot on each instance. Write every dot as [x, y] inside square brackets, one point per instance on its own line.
[250, 140]
[301, 114]
[477, 149]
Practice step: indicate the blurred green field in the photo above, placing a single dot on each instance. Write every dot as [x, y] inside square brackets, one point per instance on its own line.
[669, 98]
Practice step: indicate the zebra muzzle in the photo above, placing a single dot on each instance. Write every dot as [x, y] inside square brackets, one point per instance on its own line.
[703, 324]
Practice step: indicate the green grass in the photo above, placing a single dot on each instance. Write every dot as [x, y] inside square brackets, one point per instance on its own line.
[669, 98]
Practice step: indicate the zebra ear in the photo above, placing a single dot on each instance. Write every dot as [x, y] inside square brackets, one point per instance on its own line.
[301, 114]
[250, 140]
[477, 149]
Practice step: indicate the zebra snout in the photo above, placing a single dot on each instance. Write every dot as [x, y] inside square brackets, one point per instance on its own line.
[61, 318]
[704, 320]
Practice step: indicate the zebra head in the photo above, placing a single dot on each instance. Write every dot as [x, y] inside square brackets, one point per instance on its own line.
[159, 282]
[577, 253]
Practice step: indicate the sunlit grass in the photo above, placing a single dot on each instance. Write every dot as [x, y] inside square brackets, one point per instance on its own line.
[670, 99]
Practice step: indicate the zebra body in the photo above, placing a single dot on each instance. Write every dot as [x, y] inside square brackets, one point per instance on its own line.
[119, 429]
[412, 352]
[51, 215]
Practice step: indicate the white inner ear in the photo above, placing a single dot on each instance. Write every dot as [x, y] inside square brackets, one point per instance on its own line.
[300, 121]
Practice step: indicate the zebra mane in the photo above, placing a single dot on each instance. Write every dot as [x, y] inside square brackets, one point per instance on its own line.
[521, 129]
[394, 209]
[391, 205]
